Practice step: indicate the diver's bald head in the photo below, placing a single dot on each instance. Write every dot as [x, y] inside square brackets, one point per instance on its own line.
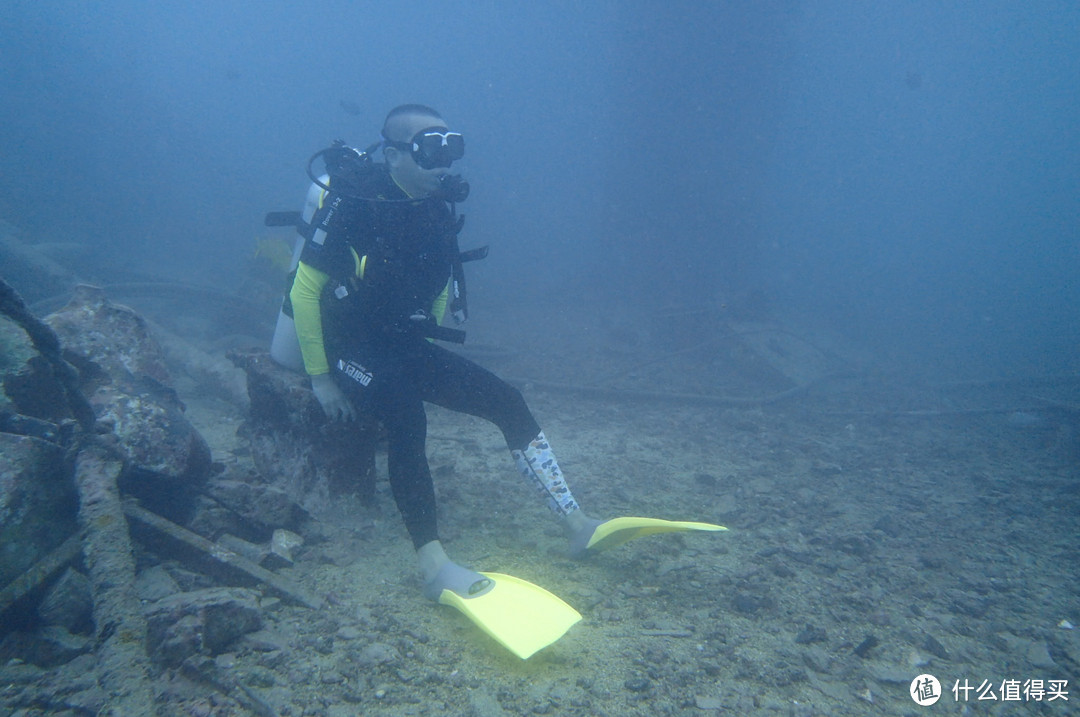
[404, 121]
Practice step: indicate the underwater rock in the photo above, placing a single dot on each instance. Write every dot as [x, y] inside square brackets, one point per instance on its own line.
[251, 551]
[810, 634]
[705, 702]
[155, 583]
[37, 502]
[256, 502]
[200, 622]
[70, 689]
[155, 438]
[282, 543]
[935, 648]
[869, 643]
[127, 383]
[749, 601]
[49, 646]
[111, 336]
[68, 603]
[377, 653]
[294, 447]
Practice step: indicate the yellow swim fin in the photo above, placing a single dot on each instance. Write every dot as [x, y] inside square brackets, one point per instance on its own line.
[620, 530]
[521, 616]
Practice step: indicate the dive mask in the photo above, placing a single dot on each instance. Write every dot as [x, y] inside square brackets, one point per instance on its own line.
[433, 147]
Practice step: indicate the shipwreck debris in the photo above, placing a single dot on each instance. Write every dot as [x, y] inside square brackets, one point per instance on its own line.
[221, 555]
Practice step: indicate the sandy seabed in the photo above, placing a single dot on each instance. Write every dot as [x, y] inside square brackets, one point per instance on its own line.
[880, 529]
[867, 546]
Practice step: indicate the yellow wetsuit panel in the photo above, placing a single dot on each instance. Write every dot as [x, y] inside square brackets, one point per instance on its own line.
[438, 308]
[305, 293]
[306, 290]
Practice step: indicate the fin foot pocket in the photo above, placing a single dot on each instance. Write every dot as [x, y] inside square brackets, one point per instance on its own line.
[460, 580]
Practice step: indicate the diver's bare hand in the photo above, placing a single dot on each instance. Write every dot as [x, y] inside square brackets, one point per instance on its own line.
[334, 403]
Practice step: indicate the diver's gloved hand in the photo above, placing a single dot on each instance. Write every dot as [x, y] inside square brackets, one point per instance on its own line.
[332, 399]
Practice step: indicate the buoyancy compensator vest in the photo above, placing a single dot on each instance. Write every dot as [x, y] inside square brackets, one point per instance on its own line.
[348, 170]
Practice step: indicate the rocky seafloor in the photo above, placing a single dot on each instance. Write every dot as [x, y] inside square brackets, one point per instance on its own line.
[877, 532]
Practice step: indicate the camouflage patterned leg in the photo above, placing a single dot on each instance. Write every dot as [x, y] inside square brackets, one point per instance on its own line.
[538, 465]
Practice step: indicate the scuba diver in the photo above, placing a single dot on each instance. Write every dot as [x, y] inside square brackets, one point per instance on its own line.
[377, 270]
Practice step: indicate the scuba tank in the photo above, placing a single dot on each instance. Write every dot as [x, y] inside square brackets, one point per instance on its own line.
[285, 347]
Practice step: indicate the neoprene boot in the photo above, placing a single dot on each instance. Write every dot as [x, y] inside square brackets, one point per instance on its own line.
[440, 573]
[538, 465]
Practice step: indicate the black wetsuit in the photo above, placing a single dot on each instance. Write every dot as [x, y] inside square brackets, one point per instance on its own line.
[375, 344]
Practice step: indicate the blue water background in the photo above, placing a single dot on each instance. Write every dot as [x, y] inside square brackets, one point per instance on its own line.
[905, 175]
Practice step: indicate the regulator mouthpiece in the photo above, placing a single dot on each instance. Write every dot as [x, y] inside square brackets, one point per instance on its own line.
[452, 188]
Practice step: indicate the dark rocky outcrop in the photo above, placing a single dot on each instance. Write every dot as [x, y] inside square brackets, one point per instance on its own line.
[295, 449]
[200, 622]
[37, 502]
[123, 374]
[89, 414]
